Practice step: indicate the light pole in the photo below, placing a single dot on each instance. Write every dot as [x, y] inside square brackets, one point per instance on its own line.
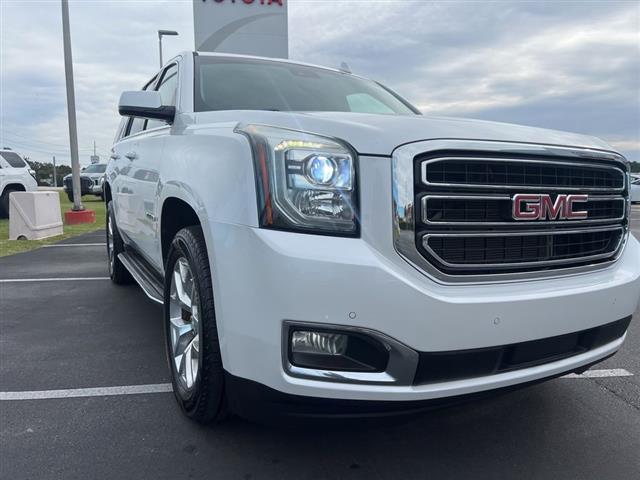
[161, 33]
[78, 213]
[71, 107]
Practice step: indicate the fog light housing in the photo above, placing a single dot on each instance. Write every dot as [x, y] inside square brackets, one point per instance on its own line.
[336, 350]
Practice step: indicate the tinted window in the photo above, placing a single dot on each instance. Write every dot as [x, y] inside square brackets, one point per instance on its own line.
[241, 84]
[13, 159]
[168, 87]
[122, 127]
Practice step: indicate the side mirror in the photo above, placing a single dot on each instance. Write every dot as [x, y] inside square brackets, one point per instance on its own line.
[145, 104]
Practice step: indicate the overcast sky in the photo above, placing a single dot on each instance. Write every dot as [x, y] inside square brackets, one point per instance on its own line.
[566, 65]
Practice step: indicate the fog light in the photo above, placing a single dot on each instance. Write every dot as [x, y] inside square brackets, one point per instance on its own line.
[336, 350]
[316, 342]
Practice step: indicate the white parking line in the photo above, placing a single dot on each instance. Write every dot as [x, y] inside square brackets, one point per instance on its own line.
[612, 372]
[87, 392]
[75, 245]
[60, 279]
[167, 387]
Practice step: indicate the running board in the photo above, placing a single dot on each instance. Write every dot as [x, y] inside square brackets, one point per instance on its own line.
[147, 280]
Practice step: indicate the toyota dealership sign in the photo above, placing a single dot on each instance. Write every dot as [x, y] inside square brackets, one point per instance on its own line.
[252, 27]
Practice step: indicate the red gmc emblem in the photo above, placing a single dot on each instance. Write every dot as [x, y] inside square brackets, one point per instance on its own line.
[543, 207]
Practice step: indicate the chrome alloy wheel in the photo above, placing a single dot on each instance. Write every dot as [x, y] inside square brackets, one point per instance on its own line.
[110, 245]
[184, 318]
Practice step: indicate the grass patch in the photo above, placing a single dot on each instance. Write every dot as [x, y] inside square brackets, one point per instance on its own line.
[9, 247]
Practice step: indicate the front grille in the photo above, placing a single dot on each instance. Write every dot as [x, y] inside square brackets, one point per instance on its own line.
[434, 367]
[85, 183]
[465, 222]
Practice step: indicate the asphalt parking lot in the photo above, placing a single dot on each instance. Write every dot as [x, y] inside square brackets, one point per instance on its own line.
[64, 326]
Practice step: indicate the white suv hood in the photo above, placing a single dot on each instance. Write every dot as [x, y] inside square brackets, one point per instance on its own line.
[381, 134]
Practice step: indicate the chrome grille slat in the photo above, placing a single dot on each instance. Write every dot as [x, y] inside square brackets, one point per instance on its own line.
[524, 185]
[506, 199]
[536, 235]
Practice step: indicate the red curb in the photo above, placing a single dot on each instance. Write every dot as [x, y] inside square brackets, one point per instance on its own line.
[82, 216]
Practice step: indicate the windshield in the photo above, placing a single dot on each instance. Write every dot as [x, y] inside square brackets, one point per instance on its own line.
[96, 168]
[248, 84]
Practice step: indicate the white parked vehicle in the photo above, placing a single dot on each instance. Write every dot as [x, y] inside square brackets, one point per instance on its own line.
[15, 176]
[323, 249]
[635, 188]
[91, 181]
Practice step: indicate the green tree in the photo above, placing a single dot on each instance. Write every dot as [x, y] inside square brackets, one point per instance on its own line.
[44, 172]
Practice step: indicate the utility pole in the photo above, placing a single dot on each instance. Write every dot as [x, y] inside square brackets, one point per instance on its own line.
[71, 108]
[55, 178]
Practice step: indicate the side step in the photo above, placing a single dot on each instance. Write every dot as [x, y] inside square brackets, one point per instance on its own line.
[147, 279]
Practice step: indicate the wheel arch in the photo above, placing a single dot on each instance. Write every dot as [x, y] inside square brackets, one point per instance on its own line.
[107, 192]
[13, 186]
[176, 214]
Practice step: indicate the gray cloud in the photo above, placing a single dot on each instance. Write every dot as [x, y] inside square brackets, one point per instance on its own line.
[564, 65]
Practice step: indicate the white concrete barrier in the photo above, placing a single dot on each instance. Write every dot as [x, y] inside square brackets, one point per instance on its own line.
[34, 215]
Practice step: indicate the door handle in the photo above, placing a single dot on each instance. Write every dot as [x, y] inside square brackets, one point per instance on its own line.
[114, 156]
[131, 155]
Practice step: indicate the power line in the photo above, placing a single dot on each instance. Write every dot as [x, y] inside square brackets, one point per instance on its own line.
[45, 149]
[31, 139]
[41, 144]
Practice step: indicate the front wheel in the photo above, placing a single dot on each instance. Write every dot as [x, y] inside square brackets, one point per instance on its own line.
[191, 333]
[70, 196]
[4, 203]
[115, 246]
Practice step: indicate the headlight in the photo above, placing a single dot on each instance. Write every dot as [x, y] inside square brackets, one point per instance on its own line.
[305, 182]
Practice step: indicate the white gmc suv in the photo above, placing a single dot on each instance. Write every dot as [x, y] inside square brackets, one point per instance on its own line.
[15, 176]
[322, 249]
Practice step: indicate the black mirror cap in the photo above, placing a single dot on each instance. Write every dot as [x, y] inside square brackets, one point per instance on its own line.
[165, 112]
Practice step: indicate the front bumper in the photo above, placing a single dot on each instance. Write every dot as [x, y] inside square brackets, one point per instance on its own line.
[260, 403]
[264, 278]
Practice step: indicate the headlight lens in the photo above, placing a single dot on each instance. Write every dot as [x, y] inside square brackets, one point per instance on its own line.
[305, 182]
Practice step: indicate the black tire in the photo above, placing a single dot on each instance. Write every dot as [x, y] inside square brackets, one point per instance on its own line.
[4, 202]
[70, 196]
[117, 271]
[205, 402]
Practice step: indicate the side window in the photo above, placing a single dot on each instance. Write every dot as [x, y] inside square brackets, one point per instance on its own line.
[13, 159]
[122, 126]
[135, 125]
[167, 87]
